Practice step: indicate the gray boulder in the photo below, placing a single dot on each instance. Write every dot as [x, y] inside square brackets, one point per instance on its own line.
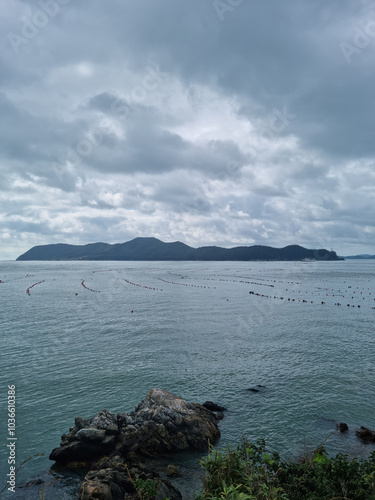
[110, 479]
[164, 422]
[161, 423]
[88, 439]
[366, 434]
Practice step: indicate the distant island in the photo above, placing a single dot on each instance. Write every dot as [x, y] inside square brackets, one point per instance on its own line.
[154, 249]
[362, 256]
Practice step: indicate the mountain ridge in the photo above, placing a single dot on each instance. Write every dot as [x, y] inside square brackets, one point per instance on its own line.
[363, 256]
[153, 249]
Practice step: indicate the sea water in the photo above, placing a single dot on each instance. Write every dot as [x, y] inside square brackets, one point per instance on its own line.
[95, 335]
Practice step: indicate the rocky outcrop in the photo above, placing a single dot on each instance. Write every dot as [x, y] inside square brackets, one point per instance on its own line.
[114, 444]
[366, 434]
[173, 471]
[111, 479]
[164, 423]
[161, 423]
[88, 439]
[342, 427]
[214, 407]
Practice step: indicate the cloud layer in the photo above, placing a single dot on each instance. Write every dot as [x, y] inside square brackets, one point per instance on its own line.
[210, 121]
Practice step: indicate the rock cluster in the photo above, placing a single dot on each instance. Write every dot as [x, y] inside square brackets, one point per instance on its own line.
[163, 422]
[114, 479]
[363, 433]
[112, 444]
[88, 439]
[366, 434]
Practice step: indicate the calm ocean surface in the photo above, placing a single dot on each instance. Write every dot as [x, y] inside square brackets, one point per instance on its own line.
[196, 331]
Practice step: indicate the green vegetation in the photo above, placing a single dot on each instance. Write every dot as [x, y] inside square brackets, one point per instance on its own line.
[251, 472]
[146, 488]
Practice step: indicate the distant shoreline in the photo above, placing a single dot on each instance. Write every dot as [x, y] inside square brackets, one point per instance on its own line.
[152, 249]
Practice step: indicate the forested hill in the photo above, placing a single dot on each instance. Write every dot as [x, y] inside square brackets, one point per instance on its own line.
[154, 249]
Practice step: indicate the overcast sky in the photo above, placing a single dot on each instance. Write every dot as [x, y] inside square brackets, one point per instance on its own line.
[221, 122]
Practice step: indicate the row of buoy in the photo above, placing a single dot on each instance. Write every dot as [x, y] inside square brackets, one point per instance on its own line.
[299, 300]
[327, 295]
[359, 292]
[333, 295]
[240, 281]
[269, 296]
[338, 304]
[259, 279]
[339, 291]
[185, 284]
[143, 286]
[87, 288]
[30, 287]
[255, 283]
[17, 279]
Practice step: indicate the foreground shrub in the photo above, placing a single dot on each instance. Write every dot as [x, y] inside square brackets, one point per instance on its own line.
[251, 472]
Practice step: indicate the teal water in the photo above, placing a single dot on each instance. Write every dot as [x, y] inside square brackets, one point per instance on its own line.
[196, 331]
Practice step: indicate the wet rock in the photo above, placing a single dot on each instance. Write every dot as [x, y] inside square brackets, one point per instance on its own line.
[95, 435]
[118, 481]
[79, 422]
[213, 406]
[88, 439]
[77, 465]
[106, 484]
[366, 434]
[342, 427]
[173, 471]
[166, 490]
[34, 482]
[257, 388]
[106, 421]
[86, 451]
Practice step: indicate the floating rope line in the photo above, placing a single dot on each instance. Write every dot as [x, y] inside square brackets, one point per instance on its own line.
[30, 287]
[184, 284]
[87, 288]
[322, 302]
[17, 279]
[142, 286]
